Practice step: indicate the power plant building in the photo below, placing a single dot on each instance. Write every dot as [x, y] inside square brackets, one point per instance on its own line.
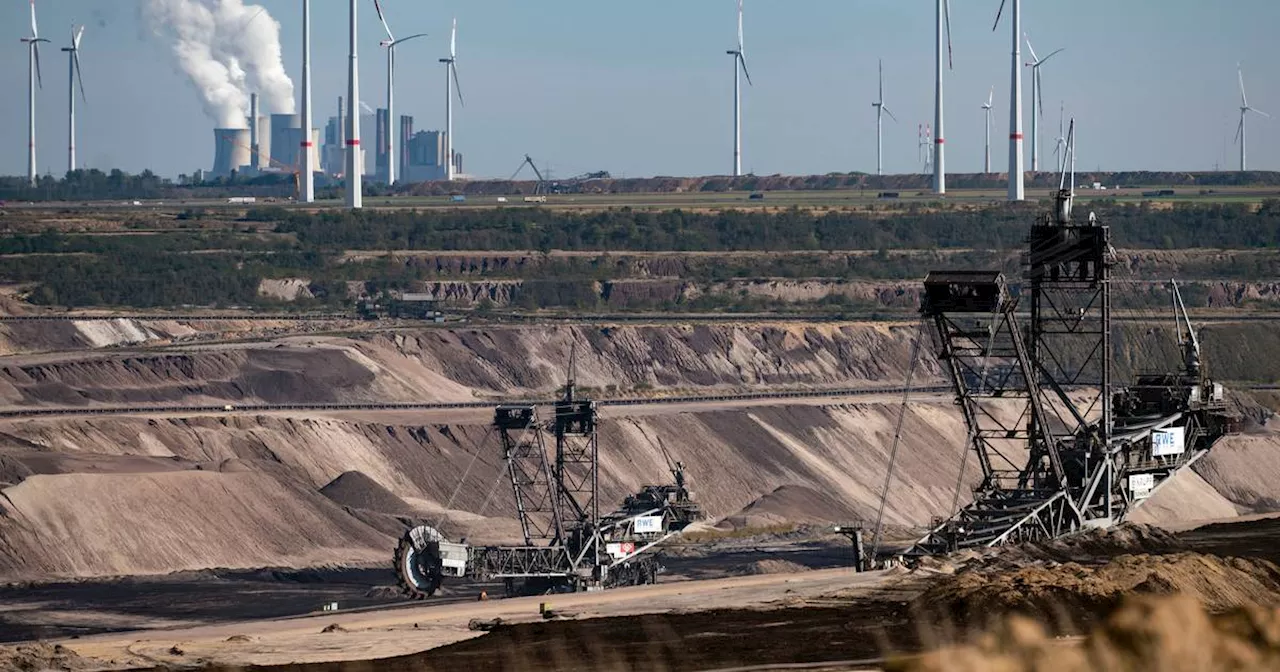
[426, 157]
[406, 135]
[421, 154]
[382, 153]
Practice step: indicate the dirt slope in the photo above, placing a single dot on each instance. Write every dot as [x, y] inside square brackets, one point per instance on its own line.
[116, 524]
[132, 492]
[461, 364]
[201, 492]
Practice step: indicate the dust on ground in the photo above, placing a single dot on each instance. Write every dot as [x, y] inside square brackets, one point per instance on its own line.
[1168, 633]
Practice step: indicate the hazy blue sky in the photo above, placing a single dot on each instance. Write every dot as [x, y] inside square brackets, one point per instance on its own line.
[644, 88]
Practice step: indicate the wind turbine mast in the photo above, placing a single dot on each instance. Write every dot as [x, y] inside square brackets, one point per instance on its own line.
[739, 61]
[308, 184]
[940, 152]
[1017, 187]
[33, 80]
[450, 80]
[986, 107]
[73, 75]
[355, 197]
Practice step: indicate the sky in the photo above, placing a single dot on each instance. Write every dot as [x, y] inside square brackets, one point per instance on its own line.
[645, 88]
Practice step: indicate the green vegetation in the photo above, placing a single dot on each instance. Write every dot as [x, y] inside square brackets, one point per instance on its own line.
[1186, 225]
[224, 267]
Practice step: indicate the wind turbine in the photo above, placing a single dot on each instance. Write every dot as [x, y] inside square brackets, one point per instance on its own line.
[739, 59]
[940, 153]
[34, 79]
[73, 70]
[308, 186]
[450, 80]
[1062, 138]
[1037, 102]
[390, 44]
[1241, 136]
[1017, 189]
[986, 107]
[881, 110]
[355, 197]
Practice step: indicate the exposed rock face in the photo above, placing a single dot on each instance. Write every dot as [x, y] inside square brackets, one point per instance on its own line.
[286, 289]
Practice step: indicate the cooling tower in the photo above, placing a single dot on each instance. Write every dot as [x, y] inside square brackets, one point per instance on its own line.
[286, 137]
[231, 150]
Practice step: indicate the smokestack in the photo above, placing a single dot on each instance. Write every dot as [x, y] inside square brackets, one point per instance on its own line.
[253, 133]
[355, 199]
[308, 142]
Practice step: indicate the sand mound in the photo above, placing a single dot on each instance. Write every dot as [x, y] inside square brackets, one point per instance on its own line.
[1076, 594]
[81, 525]
[12, 472]
[1174, 634]
[358, 491]
[774, 567]
[792, 504]
[43, 657]
[1125, 539]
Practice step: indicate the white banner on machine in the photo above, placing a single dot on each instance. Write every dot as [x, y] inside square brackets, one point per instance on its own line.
[648, 524]
[1141, 485]
[1171, 441]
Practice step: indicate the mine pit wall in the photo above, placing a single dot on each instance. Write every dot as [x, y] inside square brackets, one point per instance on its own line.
[123, 496]
[479, 363]
[115, 496]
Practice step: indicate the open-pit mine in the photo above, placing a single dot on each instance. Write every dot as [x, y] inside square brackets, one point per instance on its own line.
[1054, 442]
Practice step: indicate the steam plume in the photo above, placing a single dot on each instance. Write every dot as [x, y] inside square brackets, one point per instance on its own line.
[228, 49]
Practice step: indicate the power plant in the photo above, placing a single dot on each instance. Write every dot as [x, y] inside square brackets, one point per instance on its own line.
[282, 140]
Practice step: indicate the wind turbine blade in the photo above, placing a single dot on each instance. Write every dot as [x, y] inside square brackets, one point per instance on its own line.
[1239, 130]
[453, 39]
[75, 41]
[1260, 112]
[1244, 102]
[740, 43]
[999, 13]
[886, 111]
[743, 60]
[951, 64]
[991, 96]
[1053, 54]
[35, 48]
[456, 84]
[35, 30]
[1034, 59]
[396, 43]
[381, 17]
[882, 81]
[75, 58]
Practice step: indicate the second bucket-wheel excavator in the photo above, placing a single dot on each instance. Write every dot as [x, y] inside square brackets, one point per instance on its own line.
[568, 544]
